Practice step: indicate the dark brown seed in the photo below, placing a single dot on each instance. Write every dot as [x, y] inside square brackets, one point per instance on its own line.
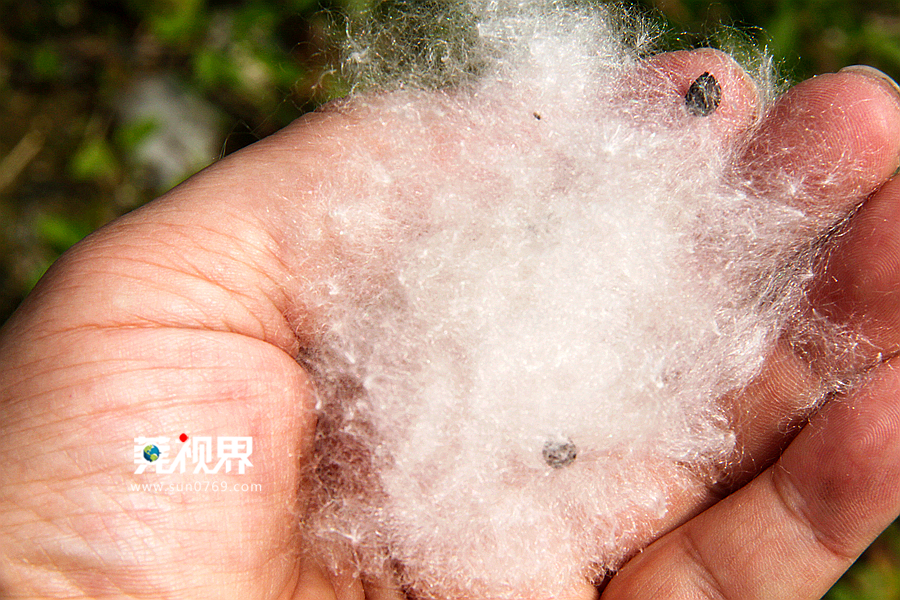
[559, 454]
[704, 95]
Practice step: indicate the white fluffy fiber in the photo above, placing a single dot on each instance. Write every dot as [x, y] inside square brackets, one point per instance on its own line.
[533, 256]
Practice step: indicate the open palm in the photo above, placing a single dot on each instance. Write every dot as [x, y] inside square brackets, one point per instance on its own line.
[176, 319]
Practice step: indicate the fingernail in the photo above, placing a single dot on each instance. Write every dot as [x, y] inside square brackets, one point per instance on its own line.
[874, 73]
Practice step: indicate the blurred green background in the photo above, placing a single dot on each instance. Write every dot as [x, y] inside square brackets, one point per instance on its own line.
[106, 104]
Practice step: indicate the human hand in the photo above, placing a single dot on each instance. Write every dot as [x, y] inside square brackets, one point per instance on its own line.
[175, 318]
[817, 500]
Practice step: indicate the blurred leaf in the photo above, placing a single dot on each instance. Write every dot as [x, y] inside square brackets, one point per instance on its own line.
[301, 6]
[882, 43]
[94, 160]
[130, 135]
[31, 279]
[46, 64]
[213, 68]
[875, 576]
[784, 31]
[255, 21]
[173, 21]
[59, 232]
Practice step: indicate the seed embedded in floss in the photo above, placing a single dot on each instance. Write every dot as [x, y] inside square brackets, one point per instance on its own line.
[525, 325]
[559, 454]
[704, 96]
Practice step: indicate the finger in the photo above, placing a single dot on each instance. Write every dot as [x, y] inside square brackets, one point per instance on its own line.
[316, 582]
[769, 412]
[830, 140]
[671, 76]
[855, 120]
[852, 121]
[835, 110]
[177, 321]
[792, 531]
[861, 282]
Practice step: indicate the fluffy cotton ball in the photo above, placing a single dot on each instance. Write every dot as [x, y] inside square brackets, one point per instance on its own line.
[535, 290]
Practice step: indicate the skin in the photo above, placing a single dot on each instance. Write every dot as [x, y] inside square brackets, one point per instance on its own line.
[177, 317]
